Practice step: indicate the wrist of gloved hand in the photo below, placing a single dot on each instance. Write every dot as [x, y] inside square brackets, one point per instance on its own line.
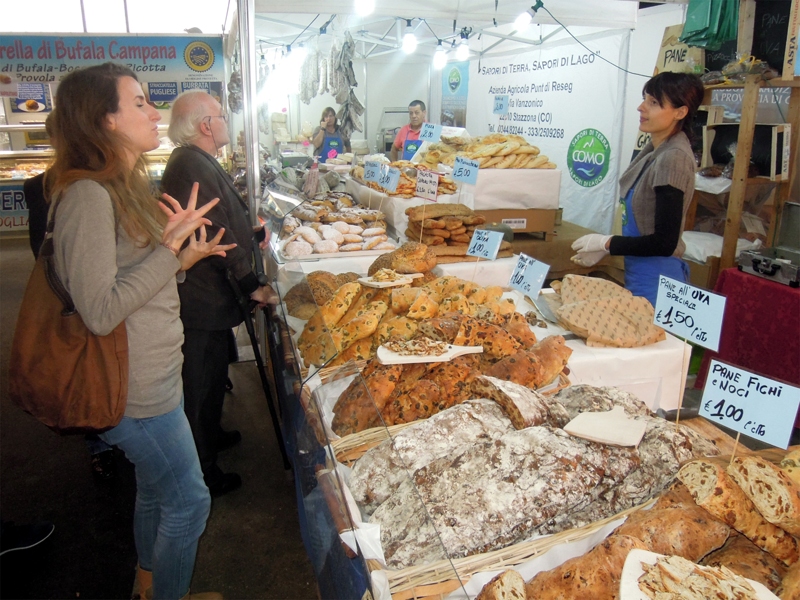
[588, 259]
[592, 242]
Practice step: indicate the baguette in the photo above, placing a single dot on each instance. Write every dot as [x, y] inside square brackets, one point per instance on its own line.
[775, 495]
[714, 490]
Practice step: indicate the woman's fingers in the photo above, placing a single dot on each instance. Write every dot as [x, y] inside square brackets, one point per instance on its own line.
[192, 203]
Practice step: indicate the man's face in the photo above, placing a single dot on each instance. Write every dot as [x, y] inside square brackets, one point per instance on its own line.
[416, 117]
[218, 122]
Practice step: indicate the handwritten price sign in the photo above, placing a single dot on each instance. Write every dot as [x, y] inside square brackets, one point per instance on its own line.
[500, 105]
[485, 244]
[756, 406]
[529, 275]
[388, 178]
[427, 184]
[465, 170]
[372, 170]
[430, 133]
[689, 312]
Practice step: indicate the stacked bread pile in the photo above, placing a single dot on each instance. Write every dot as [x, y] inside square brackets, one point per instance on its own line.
[494, 151]
[407, 185]
[332, 226]
[716, 526]
[447, 229]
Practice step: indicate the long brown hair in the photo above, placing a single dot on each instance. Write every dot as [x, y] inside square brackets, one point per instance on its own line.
[87, 149]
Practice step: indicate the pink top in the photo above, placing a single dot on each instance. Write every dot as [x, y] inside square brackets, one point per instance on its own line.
[406, 133]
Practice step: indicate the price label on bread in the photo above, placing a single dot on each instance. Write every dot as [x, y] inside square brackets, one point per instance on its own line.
[465, 170]
[427, 184]
[689, 312]
[430, 132]
[372, 169]
[388, 178]
[759, 407]
[528, 275]
[485, 244]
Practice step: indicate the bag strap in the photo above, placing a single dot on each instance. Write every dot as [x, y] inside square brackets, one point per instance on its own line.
[47, 256]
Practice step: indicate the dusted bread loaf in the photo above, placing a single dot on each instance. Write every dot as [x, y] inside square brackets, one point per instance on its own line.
[715, 491]
[593, 576]
[775, 495]
[523, 406]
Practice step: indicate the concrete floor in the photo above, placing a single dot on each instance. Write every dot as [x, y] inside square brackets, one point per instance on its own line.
[251, 547]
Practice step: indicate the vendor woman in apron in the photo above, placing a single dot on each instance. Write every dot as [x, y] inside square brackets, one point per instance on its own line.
[327, 139]
[406, 143]
[655, 190]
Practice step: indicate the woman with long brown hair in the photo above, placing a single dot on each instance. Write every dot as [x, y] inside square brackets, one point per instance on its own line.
[117, 251]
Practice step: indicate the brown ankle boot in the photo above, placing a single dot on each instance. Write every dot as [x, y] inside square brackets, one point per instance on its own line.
[144, 583]
[203, 596]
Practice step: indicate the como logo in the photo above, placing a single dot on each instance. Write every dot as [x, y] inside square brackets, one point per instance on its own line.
[199, 56]
[454, 79]
[588, 157]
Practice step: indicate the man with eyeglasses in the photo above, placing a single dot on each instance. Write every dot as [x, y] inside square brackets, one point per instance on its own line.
[209, 307]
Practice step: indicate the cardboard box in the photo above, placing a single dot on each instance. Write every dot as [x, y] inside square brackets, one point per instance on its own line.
[527, 220]
[704, 275]
[516, 189]
[676, 57]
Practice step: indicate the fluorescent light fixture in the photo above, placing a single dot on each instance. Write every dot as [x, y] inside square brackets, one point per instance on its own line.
[522, 22]
[462, 52]
[439, 57]
[364, 7]
[409, 39]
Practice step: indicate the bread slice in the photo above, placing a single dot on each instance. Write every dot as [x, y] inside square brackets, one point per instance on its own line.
[509, 585]
[775, 495]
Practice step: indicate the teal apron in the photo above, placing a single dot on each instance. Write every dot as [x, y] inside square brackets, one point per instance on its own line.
[332, 146]
[642, 272]
[410, 148]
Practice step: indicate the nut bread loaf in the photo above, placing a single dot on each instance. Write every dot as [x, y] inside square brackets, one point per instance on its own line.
[744, 558]
[508, 585]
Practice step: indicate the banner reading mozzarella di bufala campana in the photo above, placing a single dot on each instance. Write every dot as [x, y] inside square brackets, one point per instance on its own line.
[566, 100]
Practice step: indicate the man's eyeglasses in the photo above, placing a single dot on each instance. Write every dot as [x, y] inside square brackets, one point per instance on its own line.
[223, 117]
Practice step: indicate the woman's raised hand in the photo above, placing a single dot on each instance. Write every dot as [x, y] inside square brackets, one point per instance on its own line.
[199, 248]
[183, 222]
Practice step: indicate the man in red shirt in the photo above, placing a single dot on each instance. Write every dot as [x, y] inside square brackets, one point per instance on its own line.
[406, 143]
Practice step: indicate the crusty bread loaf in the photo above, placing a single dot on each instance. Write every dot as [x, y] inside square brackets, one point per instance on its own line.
[714, 490]
[687, 531]
[775, 495]
[423, 307]
[496, 341]
[518, 327]
[434, 211]
[412, 257]
[790, 586]
[744, 558]
[790, 464]
[508, 585]
[359, 405]
[523, 406]
[592, 576]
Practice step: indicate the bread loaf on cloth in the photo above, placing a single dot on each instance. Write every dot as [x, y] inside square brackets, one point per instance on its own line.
[714, 490]
[744, 558]
[508, 585]
[411, 257]
[593, 576]
[775, 495]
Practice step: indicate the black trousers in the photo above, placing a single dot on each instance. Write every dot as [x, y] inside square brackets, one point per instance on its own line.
[205, 372]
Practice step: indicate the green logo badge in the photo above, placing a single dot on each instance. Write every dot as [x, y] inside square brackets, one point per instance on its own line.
[454, 79]
[588, 157]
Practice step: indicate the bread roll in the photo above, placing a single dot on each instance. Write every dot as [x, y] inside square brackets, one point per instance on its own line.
[594, 575]
[508, 585]
[715, 491]
[775, 495]
[744, 558]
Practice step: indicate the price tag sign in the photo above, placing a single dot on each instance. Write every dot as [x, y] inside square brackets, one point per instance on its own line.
[388, 178]
[427, 184]
[465, 170]
[430, 133]
[528, 276]
[756, 406]
[689, 312]
[485, 244]
[372, 170]
[500, 105]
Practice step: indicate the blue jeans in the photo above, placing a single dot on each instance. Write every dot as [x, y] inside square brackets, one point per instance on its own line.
[172, 501]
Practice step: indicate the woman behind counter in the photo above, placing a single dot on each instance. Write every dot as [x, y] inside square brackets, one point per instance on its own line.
[118, 254]
[327, 139]
[655, 190]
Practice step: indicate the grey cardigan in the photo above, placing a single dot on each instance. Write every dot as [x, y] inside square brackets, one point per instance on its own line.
[672, 163]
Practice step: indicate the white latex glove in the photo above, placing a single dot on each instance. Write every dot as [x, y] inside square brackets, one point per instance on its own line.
[592, 242]
[587, 259]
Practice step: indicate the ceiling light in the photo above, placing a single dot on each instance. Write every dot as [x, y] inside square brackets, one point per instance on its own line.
[522, 22]
[439, 57]
[462, 52]
[409, 39]
[364, 7]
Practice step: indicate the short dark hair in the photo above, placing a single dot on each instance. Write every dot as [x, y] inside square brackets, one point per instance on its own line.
[419, 103]
[679, 89]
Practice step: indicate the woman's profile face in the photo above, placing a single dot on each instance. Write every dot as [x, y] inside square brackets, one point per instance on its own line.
[655, 118]
[135, 118]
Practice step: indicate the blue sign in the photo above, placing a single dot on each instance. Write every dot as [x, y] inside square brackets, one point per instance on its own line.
[372, 169]
[466, 170]
[529, 275]
[756, 406]
[500, 105]
[162, 91]
[430, 133]
[13, 207]
[485, 244]
[689, 312]
[389, 178]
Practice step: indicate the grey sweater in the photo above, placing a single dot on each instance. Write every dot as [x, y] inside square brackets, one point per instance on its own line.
[111, 279]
